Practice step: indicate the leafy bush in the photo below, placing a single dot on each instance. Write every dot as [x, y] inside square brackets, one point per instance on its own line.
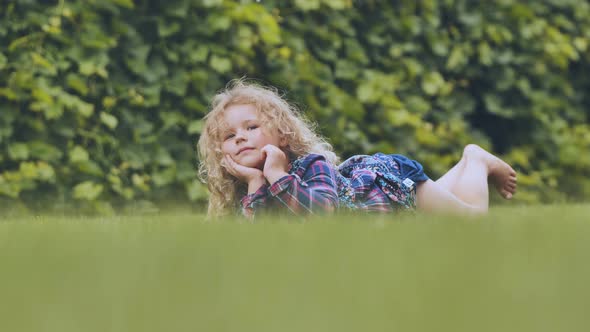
[101, 101]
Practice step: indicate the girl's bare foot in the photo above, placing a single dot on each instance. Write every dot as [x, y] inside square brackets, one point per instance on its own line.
[501, 175]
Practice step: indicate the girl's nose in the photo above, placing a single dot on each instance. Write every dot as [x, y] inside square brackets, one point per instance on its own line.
[240, 137]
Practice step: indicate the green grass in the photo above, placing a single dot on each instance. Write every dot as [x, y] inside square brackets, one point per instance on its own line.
[518, 269]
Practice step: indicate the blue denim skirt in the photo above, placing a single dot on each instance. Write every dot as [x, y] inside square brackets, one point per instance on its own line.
[379, 182]
[395, 164]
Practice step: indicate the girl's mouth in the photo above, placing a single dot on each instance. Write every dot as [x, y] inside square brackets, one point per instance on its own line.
[243, 149]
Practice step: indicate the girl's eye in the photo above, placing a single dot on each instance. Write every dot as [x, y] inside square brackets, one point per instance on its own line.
[229, 136]
[252, 127]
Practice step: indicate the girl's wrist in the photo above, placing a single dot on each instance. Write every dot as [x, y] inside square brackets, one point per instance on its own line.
[255, 184]
[273, 177]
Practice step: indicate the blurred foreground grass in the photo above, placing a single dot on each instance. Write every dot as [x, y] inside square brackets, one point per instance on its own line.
[518, 269]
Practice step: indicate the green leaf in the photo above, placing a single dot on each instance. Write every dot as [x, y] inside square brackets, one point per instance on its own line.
[45, 172]
[199, 54]
[75, 82]
[307, 5]
[417, 104]
[400, 117]
[177, 84]
[90, 167]
[124, 3]
[179, 8]
[85, 109]
[42, 95]
[494, 105]
[78, 154]
[10, 189]
[39, 60]
[140, 181]
[212, 3]
[367, 93]
[44, 151]
[74, 103]
[137, 59]
[166, 29]
[109, 120]
[109, 102]
[219, 22]
[432, 83]
[94, 65]
[221, 65]
[338, 4]
[269, 29]
[157, 70]
[135, 156]
[485, 53]
[456, 58]
[18, 151]
[87, 68]
[87, 190]
[171, 119]
[18, 42]
[346, 70]
[8, 93]
[195, 127]
[28, 170]
[151, 95]
[163, 157]
[579, 42]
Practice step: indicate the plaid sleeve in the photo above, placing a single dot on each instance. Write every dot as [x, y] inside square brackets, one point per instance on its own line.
[254, 201]
[310, 188]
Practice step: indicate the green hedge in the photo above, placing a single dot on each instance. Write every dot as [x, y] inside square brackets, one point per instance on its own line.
[101, 101]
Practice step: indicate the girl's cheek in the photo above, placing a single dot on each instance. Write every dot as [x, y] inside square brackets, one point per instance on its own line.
[224, 147]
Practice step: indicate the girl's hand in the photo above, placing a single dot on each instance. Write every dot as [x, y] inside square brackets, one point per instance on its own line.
[252, 176]
[276, 164]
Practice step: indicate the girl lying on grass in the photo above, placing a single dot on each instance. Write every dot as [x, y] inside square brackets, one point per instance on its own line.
[258, 154]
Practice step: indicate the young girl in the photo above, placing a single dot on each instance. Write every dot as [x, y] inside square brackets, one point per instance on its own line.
[258, 154]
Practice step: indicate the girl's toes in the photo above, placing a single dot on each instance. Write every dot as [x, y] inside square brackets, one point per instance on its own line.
[506, 194]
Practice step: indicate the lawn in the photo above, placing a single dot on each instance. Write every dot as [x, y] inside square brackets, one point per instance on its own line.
[518, 269]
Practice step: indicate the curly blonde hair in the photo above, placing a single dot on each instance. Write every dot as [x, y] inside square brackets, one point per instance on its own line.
[276, 113]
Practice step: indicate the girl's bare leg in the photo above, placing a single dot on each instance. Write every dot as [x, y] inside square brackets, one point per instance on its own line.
[464, 189]
[450, 178]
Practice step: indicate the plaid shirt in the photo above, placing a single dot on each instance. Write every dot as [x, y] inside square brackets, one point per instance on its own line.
[361, 183]
[310, 187]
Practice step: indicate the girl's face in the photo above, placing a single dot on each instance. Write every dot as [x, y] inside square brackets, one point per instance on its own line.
[243, 136]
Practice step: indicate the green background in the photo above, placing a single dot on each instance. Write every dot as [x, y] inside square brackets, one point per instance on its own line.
[101, 101]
